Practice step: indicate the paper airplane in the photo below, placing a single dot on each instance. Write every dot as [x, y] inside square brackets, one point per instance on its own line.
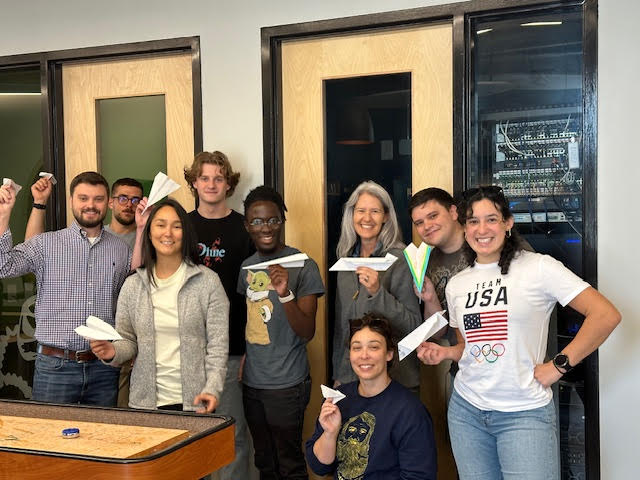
[350, 264]
[418, 259]
[11, 183]
[430, 326]
[48, 175]
[162, 186]
[291, 261]
[97, 329]
[334, 395]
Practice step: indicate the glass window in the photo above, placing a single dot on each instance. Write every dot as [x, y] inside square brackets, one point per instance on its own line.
[21, 154]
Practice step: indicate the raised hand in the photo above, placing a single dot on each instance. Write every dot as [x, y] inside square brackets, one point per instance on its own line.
[330, 418]
[41, 191]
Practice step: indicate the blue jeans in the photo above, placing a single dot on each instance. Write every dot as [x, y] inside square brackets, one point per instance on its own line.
[488, 444]
[231, 404]
[275, 418]
[57, 380]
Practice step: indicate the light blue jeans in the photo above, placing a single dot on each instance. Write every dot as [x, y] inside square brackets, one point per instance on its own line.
[231, 404]
[493, 445]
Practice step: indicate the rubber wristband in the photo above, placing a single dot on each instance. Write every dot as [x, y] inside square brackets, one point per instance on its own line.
[288, 298]
[39, 206]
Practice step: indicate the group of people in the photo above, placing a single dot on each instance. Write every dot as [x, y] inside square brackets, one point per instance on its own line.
[202, 333]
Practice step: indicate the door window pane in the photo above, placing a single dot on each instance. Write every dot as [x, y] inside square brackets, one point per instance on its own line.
[131, 138]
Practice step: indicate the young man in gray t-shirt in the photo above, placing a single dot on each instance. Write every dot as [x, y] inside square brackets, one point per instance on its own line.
[281, 311]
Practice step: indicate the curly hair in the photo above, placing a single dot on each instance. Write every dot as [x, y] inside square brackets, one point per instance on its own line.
[192, 173]
[376, 323]
[512, 243]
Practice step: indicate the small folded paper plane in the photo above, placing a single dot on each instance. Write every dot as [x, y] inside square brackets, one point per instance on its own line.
[48, 175]
[335, 395]
[162, 186]
[97, 329]
[350, 264]
[290, 261]
[418, 259]
[430, 326]
[11, 183]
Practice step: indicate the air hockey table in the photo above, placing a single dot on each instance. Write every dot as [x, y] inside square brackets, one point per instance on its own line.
[112, 442]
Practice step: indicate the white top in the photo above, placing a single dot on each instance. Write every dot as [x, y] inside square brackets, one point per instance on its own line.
[164, 298]
[505, 320]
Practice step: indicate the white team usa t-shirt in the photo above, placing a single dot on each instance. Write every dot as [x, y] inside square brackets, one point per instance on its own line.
[505, 320]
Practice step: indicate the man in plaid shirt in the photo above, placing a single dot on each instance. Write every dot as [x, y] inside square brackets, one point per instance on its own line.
[79, 271]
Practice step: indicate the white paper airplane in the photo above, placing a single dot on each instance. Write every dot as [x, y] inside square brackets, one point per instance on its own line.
[335, 395]
[350, 264]
[430, 326]
[162, 186]
[418, 259]
[97, 329]
[290, 261]
[48, 175]
[11, 183]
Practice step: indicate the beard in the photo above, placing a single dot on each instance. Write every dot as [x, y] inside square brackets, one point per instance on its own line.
[123, 220]
[88, 223]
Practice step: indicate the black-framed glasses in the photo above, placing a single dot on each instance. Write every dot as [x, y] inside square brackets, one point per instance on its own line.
[259, 222]
[123, 199]
[488, 189]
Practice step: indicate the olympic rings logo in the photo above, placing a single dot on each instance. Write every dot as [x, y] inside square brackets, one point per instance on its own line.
[487, 352]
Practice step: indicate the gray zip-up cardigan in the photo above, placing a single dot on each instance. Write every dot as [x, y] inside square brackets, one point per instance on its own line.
[395, 300]
[203, 318]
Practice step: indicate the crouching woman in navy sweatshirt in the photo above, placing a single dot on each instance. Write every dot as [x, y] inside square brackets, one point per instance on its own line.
[380, 430]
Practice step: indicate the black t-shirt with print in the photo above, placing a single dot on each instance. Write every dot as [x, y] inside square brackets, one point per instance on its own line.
[223, 244]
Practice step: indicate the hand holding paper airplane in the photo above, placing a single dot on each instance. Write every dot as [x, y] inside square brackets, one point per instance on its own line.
[12, 184]
[48, 176]
[162, 186]
[290, 261]
[97, 329]
[350, 264]
[430, 326]
[334, 395]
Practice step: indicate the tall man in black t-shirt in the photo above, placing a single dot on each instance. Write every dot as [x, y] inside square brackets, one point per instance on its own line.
[223, 244]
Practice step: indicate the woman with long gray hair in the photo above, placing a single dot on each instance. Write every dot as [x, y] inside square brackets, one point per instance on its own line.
[370, 229]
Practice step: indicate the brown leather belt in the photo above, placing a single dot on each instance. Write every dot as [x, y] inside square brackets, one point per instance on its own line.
[80, 356]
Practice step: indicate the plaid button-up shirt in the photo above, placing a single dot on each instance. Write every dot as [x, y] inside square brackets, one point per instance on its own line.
[74, 278]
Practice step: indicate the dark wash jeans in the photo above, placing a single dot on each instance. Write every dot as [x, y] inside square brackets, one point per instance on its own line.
[57, 380]
[275, 419]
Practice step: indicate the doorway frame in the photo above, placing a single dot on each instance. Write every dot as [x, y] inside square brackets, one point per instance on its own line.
[458, 14]
[50, 64]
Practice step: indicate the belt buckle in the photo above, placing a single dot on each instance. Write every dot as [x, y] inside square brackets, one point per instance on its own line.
[77, 358]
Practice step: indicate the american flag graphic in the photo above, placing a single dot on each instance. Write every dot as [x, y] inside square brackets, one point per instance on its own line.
[486, 326]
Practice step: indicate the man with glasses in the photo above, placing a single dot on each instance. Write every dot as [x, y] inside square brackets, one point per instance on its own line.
[126, 193]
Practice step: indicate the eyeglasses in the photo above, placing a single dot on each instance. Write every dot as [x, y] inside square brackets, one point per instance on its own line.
[123, 200]
[259, 222]
[487, 189]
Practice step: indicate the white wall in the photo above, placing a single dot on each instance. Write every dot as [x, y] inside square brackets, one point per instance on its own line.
[232, 109]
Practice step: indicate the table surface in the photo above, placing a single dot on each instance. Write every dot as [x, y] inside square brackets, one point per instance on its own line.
[97, 439]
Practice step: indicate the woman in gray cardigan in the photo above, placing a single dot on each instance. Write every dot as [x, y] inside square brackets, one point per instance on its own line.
[370, 229]
[173, 318]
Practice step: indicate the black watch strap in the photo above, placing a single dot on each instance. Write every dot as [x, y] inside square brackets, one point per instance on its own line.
[39, 206]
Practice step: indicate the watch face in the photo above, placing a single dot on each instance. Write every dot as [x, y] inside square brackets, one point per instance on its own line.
[561, 360]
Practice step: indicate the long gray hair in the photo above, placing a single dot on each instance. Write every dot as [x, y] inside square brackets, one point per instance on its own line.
[390, 235]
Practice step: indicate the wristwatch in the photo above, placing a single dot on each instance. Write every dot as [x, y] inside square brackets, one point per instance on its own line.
[561, 362]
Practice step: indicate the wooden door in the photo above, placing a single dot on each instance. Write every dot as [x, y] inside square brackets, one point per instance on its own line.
[86, 83]
[426, 53]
